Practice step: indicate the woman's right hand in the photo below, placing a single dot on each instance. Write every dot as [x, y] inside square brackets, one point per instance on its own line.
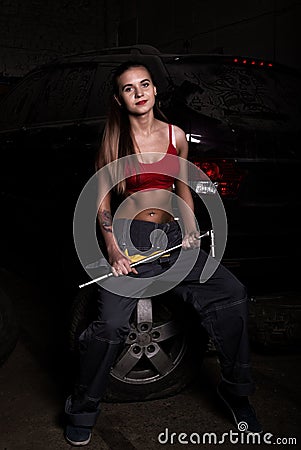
[121, 265]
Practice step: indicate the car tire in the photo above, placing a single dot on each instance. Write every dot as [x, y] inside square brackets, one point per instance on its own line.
[9, 330]
[161, 355]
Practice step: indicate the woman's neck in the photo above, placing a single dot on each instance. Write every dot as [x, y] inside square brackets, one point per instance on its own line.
[142, 125]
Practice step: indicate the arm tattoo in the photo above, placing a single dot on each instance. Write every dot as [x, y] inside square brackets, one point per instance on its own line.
[106, 221]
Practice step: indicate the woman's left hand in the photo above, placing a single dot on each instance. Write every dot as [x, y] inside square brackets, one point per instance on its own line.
[191, 240]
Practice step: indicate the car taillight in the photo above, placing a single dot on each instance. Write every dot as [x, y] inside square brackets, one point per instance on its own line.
[225, 176]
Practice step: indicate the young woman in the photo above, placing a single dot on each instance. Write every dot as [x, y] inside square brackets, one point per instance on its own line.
[151, 153]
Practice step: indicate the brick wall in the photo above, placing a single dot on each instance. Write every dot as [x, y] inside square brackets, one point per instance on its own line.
[268, 29]
[35, 31]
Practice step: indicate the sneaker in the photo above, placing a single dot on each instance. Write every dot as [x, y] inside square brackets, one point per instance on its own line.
[78, 436]
[243, 413]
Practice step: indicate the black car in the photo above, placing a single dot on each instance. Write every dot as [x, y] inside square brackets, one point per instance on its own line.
[241, 117]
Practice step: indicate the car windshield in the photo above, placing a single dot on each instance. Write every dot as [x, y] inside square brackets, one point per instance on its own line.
[254, 104]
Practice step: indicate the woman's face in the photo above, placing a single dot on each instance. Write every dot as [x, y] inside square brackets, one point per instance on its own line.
[136, 91]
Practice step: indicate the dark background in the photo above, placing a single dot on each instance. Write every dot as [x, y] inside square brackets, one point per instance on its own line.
[33, 385]
[35, 31]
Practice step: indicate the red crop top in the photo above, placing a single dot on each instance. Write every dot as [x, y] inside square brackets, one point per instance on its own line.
[158, 175]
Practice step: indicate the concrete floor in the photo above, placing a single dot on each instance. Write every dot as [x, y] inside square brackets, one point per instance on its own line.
[34, 384]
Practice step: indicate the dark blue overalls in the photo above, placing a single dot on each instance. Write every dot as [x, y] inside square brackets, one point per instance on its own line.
[221, 302]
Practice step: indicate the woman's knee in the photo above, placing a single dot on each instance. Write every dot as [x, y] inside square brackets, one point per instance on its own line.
[234, 289]
[238, 290]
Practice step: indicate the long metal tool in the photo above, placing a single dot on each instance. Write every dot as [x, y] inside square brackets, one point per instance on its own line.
[153, 257]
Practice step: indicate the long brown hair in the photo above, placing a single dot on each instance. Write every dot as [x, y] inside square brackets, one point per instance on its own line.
[117, 139]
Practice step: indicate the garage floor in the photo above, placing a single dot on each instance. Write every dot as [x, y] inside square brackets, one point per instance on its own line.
[34, 383]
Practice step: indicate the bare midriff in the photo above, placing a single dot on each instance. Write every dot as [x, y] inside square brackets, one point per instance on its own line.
[152, 205]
